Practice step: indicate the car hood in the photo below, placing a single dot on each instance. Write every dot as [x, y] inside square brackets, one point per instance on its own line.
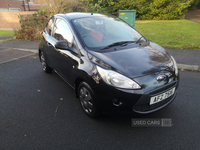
[136, 62]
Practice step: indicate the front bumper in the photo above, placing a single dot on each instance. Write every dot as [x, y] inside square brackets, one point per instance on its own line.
[142, 106]
[113, 101]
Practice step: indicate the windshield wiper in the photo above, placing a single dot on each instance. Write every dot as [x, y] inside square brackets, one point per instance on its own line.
[123, 43]
[139, 40]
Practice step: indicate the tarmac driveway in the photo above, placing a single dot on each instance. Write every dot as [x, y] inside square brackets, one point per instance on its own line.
[40, 111]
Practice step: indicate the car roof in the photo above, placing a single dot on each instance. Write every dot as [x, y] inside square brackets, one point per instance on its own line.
[76, 15]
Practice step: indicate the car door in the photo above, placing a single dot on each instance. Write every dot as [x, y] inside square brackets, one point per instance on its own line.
[48, 41]
[65, 60]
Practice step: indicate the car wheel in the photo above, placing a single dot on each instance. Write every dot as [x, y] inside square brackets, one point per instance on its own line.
[87, 100]
[45, 67]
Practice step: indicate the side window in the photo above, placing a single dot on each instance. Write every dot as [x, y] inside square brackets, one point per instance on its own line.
[49, 25]
[62, 32]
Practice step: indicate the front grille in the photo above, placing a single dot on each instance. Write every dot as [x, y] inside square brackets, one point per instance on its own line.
[161, 90]
[147, 107]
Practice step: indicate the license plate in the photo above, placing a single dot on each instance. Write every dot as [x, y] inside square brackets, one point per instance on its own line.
[162, 96]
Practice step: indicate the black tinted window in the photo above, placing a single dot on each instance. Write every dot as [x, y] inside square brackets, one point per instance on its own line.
[49, 25]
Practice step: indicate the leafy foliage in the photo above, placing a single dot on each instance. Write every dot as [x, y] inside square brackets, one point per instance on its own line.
[146, 9]
[32, 25]
[99, 6]
[195, 5]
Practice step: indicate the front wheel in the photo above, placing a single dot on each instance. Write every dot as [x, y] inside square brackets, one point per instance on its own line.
[45, 67]
[87, 100]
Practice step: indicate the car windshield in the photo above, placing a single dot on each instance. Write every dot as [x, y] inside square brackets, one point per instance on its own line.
[105, 32]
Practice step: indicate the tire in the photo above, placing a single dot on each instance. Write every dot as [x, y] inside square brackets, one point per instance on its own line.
[45, 67]
[88, 100]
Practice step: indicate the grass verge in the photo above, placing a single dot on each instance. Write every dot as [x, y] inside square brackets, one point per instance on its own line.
[6, 32]
[179, 34]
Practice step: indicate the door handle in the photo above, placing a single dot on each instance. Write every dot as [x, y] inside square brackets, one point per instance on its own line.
[48, 44]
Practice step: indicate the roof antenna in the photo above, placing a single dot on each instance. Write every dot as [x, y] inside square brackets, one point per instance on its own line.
[88, 7]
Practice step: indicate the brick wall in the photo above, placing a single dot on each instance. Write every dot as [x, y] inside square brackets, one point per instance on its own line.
[10, 20]
[20, 4]
[12, 3]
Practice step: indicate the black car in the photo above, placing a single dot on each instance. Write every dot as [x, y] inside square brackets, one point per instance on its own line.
[112, 67]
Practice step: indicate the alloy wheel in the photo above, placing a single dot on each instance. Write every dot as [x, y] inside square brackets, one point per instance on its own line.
[86, 100]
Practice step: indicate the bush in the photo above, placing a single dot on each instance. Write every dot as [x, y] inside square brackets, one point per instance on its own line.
[146, 9]
[195, 5]
[32, 25]
[102, 6]
[166, 10]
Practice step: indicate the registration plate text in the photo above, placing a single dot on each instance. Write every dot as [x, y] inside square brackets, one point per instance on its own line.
[162, 96]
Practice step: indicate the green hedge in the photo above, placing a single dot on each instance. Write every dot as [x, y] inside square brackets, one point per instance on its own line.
[146, 9]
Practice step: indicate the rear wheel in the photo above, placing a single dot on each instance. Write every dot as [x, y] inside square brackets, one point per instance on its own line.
[87, 100]
[45, 67]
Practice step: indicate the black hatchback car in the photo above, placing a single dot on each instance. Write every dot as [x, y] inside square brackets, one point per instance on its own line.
[112, 67]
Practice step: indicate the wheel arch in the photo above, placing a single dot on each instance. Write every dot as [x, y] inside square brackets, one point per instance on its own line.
[77, 82]
[84, 78]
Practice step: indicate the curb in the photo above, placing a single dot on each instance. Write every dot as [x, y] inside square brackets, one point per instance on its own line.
[6, 38]
[189, 67]
[16, 59]
[27, 50]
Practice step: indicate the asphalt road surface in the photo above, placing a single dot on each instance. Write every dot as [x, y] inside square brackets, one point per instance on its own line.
[40, 111]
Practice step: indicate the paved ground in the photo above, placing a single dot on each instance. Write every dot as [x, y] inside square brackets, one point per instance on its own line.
[6, 37]
[7, 55]
[12, 50]
[193, 15]
[27, 45]
[186, 56]
[40, 111]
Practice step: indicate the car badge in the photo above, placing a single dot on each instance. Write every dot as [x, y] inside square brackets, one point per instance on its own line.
[161, 78]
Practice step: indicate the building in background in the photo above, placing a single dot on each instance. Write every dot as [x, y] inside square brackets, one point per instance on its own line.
[19, 5]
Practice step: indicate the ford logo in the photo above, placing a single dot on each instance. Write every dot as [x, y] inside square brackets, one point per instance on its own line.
[161, 78]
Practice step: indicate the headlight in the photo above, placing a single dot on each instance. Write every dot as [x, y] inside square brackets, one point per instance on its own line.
[115, 79]
[175, 66]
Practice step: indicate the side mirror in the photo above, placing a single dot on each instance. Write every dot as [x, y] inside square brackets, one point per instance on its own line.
[62, 45]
